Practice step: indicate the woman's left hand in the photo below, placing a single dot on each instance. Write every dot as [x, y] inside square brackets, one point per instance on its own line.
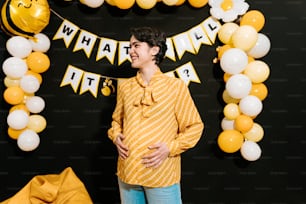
[156, 158]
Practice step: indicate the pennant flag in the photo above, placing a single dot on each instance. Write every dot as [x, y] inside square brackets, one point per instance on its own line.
[86, 41]
[107, 48]
[170, 49]
[211, 27]
[66, 31]
[182, 44]
[73, 77]
[123, 53]
[198, 37]
[187, 73]
[90, 83]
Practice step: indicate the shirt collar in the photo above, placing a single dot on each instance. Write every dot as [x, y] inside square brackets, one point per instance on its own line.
[154, 78]
[147, 98]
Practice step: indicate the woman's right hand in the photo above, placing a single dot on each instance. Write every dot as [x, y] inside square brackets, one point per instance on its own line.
[122, 149]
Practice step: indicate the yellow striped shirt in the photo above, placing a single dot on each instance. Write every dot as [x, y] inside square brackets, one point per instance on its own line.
[162, 111]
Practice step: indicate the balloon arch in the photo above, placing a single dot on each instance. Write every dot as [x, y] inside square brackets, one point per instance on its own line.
[239, 56]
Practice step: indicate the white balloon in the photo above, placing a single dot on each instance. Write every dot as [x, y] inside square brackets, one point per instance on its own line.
[229, 16]
[261, 48]
[241, 7]
[227, 124]
[92, 3]
[35, 104]
[40, 42]
[233, 61]
[216, 12]
[250, 105]
[18, 119]
[14, 67]
[28, 140]
[29, 84]
[250, 151]
[238, 86]
[19, 46]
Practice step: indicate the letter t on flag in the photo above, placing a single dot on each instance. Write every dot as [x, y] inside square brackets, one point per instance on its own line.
[90, 83]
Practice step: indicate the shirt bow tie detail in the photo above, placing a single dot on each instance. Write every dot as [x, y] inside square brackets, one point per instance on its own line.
[147, 98]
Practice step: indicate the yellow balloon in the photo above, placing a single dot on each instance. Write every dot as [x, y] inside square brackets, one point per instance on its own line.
[231, 111]
[146, 4]
[37, 123]
[9, 82]
[198, 3]
[37, 75]
[260, 90]
[230, 141]
[250, 59]
[170, 2]
[124, 4]
[228, 99]
[13, 133]
[222, 49]
[245, 37]
[26, 96]
[255, 134]
[13, 95]
[25, 18]
[20, 106]
[38, 62]
[180, 2]
[226, 76]
[226, 31]
[243, 123]
[258, 71]
[110, 2]
[253, 18]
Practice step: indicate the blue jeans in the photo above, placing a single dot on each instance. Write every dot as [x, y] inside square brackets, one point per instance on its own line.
[135, 194]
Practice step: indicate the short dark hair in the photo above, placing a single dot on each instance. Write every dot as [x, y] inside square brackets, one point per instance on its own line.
[153, 37]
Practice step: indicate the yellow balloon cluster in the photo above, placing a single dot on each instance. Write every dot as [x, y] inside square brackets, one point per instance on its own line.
[24, 17]
[144, 4]
[23, 78]
[244, 76]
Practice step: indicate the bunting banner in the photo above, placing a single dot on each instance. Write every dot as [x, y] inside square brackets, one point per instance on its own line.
[188, 41]
[82, 81]
[116, 52]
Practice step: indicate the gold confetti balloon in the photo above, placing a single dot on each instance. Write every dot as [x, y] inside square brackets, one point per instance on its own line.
[24, 17]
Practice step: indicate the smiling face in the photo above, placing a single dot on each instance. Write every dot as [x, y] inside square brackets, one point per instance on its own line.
[25, 4]
[142, 55]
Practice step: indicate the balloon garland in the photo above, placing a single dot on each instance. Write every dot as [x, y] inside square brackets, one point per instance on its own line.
[23, 71]
[143, 4]
[28, 60]
[239, 58]
[244, 77]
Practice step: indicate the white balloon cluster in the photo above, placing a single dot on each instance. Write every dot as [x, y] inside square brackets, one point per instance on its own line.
[23, 79]
[244, 77]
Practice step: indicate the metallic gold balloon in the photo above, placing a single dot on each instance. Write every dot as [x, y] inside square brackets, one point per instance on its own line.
[24, 17]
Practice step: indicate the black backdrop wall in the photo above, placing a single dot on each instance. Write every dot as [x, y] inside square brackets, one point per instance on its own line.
[76, 124]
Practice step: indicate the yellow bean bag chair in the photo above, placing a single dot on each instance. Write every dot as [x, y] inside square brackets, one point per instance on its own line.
[63, 188]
